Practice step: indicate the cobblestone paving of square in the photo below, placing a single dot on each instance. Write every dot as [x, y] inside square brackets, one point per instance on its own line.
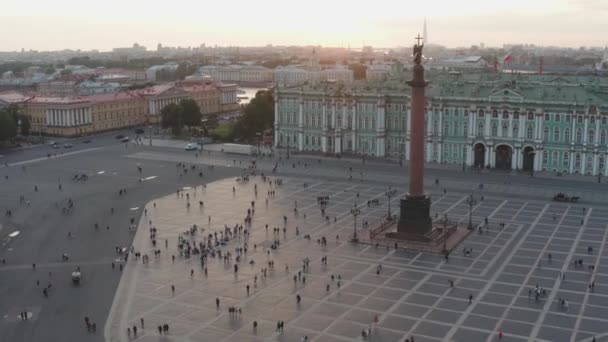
[410, 296]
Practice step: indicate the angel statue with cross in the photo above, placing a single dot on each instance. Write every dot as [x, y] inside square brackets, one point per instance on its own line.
[418, 51]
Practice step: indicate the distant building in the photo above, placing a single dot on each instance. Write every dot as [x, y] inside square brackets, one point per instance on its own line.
[377, 71]
[459, 62]
[291, 75]
[12, 98]
[238, 73]
[58, 88]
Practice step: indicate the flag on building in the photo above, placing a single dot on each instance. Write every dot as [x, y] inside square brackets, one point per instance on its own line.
[507, 58]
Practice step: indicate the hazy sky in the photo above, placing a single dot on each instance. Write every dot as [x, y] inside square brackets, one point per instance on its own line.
[103, 24]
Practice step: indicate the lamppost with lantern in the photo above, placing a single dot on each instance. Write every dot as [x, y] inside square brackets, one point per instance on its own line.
[355, 212]
[390, 193]
[471, 201]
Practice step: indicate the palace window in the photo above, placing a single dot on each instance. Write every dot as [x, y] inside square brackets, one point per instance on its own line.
[495, 114]
[444, 152]
[446, 129]
[505, 115]
[480, 129]
[567, 135]
[466, 113]
[545, 157]
[556, 134]
[568, 118]
[601, 163]
[435, 127]
[554, 158]
[530, 116]
[515, 130]
[589, 164]
[494, 130]
[566, 160]
[603, 137]
[529, 133]
[454, 151]
[579, 136]
[603, 121]
[505, 130]
[546, 134]
[591, 136]
[577, 160]
[373, 123]
[465, 130]
[557, 117]
[592, 120]
[547, 117]
[516, 115]
[481, 113]
[579, 119]
[455, 130]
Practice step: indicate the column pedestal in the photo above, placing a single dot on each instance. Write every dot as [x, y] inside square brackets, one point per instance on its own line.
[415, 215]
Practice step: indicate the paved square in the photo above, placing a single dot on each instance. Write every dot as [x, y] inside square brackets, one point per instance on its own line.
[410, 296]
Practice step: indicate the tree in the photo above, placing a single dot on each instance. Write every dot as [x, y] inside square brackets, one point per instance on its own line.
[171, 117]
[359, 70]
[257, 117]
[211, 122]
[191, 113]
[8, 126]
[25, 125]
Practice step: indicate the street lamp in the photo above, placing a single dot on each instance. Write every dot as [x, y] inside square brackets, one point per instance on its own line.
[390, 193]
[355, 212]
[471, 201]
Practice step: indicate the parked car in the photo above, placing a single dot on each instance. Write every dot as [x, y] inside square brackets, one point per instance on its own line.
[56, 146]
[67, 145]
[87, 141]
[191, 147]
[120, 136]
[139, 131]
[125, 139]
[52, 143]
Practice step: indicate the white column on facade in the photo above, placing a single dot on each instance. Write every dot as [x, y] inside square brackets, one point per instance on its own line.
[89, 116]
[510, 132]
[470, 154]
[486, 156]
[354, 127]
[583, 162]
[439, 153]
[48, 117]
[597, 131]
[585, 135]
[514, 158]
[573, 132]
[517, 156]
[324, 127]
[471, 130]
[276, 119]
[595, 164]
[380, 131]
[571, 162]
[487, 126]
[301, 125]
[492, 154]
[522, 126]
[441, 132]
[537, 128]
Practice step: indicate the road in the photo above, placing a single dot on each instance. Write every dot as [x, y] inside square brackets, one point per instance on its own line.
[43, 229]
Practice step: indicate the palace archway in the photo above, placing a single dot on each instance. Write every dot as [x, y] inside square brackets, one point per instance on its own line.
[504, 155]
[528, 158]
[479, 151]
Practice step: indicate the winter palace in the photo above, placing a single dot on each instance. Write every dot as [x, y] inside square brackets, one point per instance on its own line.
[482, 119]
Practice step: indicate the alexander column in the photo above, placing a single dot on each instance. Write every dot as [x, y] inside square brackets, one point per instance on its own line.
[415, 207]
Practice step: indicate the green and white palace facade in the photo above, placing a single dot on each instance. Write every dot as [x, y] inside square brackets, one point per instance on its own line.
[504, 121]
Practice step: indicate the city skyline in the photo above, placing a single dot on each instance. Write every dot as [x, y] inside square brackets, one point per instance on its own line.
[67, 24]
